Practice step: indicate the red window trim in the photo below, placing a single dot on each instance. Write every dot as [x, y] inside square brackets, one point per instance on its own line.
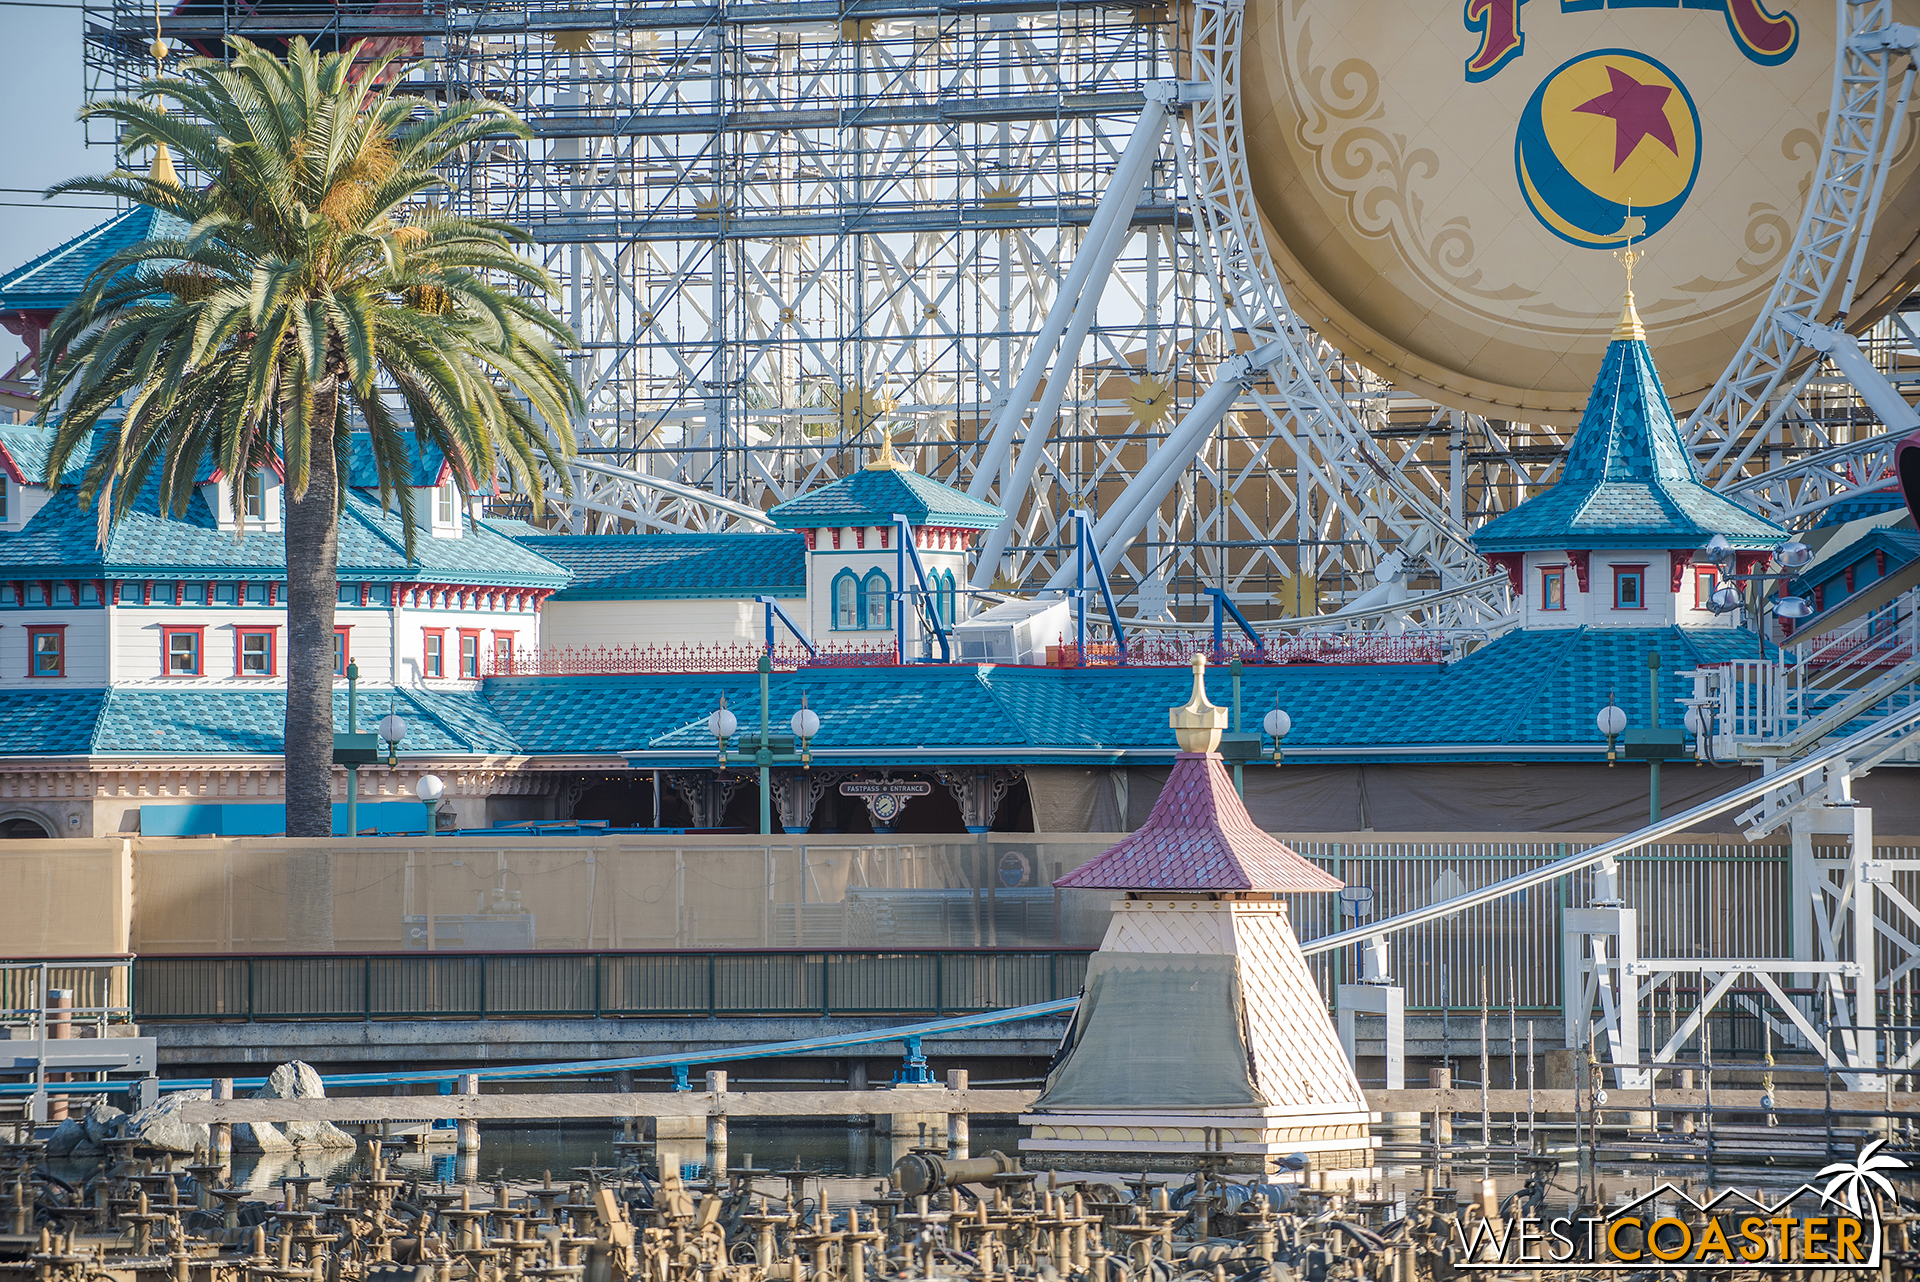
[502, 669]
[441, 633]
[1560, 570]
[37, 629]
[272, 635]
[1622, 567]
[1709, 576]
[167, 633]
[345, 632]
[460, 656]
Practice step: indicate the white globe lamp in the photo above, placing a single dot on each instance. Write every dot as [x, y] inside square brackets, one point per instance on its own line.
[1611, 721]
[430, 789]
[1277, 723]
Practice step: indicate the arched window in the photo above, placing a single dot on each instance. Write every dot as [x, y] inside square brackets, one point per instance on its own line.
[877, 611]
[947, 597]
[846, 602]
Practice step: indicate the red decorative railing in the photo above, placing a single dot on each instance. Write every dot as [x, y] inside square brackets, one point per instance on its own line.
[1163, 651]
[1156, 651]
[644, 660]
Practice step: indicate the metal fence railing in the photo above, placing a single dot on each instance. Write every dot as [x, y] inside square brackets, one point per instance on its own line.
[593, 984]
[1705, 898]
[97, 994]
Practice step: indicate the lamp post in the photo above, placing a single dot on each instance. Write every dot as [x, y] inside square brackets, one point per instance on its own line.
[393, 728]
[721, 725]
[764, 757]
[1277, 724]
[353, 767]
[429, 789]
[1611, 721]
[1792, 556]
[806, 724]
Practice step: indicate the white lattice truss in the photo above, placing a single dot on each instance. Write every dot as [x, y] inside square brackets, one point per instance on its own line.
[780, 232]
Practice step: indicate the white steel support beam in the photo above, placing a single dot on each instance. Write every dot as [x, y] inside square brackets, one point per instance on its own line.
[1095, 259]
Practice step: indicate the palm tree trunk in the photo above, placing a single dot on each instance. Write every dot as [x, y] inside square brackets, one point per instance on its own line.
[313, 557]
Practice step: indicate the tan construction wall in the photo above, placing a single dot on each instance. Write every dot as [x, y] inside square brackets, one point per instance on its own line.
[88, 897]
[66, 898]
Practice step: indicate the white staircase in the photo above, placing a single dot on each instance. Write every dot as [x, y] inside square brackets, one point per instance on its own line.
[1818, 690]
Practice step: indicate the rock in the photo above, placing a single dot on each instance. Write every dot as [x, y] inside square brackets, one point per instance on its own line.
[163, 1128]
[292, 1080]
[67, 1136]
[319, 1135]
[259, 1137]
[103, 1123]
[295, 1080]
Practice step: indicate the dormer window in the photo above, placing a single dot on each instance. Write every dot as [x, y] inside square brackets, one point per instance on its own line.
[1553, 588]
[443, 504]
[253, 496]
[4, 485]
[1629, 587]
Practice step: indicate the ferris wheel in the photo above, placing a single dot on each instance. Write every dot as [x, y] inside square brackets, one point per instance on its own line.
[1063, 255]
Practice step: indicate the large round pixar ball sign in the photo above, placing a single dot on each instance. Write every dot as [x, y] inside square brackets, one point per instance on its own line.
[1445, 181]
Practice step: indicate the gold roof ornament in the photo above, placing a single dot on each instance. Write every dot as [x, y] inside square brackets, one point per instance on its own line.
[862, 408]
[1197, 725]
[573, 41]
[162, 170]
[885, 461]
[1628, 327]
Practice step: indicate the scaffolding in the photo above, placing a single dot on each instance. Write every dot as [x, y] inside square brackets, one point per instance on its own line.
[784, 228]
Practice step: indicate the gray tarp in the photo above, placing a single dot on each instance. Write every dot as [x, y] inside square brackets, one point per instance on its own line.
[1438, 798]
[1155, 1030]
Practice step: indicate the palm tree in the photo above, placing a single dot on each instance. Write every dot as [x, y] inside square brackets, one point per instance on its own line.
[314, 278]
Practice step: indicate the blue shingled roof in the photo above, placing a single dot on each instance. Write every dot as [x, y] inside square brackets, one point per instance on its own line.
[1531, 695]
[1628, 481]
[56, 277]
[646, 567]
[426, 464]
[1470, 710]
[875, 495]
[1863, 503]
[137, 722]
[252, 722]
[62, 541]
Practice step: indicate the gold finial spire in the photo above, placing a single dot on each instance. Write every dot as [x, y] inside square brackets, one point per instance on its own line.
[162, 170]
[885, 461]
[1629, 326]
[1197, 724]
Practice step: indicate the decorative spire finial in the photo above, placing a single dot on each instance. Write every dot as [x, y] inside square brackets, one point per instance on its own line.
[162, 170]
[1629, 326]
[1198, 723]
[885, 461]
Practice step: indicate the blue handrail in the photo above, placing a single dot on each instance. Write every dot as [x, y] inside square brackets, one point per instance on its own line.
[581, 1068]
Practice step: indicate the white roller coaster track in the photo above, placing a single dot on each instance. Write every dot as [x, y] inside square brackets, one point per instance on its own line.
[1757, 399]
[1298, 397]
[1381, 494]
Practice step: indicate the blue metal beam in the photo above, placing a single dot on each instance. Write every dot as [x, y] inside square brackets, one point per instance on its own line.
[584, 1068]
[774, 610]
[1223, 602]
[908, 552]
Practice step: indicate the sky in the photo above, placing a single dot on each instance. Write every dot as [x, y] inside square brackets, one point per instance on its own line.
[40, 141]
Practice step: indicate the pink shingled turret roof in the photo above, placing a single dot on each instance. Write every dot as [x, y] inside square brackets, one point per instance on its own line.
[1199, 837]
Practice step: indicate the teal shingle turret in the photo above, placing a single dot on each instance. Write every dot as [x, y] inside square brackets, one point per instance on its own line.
[56, 277]
[880, 491]
[1628, 481]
